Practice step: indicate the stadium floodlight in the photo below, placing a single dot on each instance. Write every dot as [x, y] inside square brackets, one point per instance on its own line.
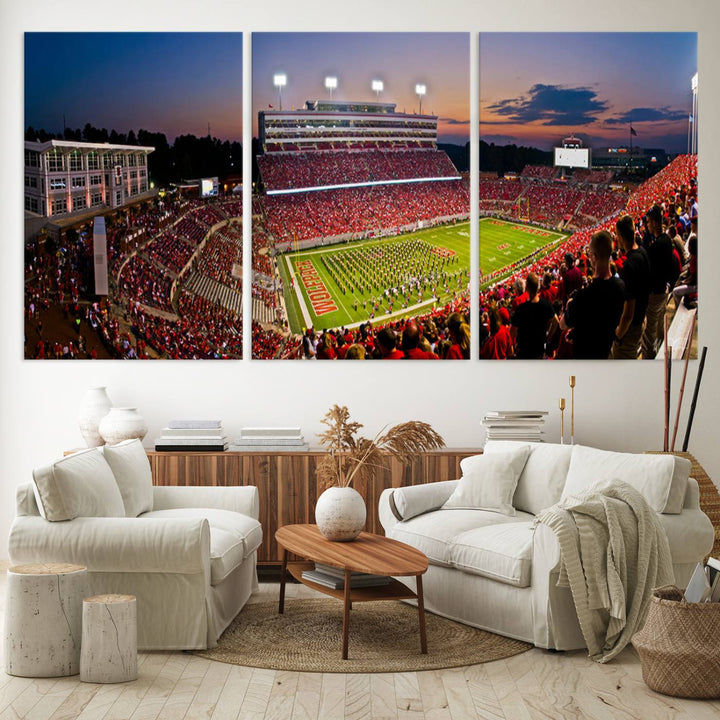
[280, 81]
[378, 86]
[331, 84]
[420, 90]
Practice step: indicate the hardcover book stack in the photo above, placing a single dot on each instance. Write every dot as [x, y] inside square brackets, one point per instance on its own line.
[259, 439]
[192, 436]
[518, 425]
[332, 577]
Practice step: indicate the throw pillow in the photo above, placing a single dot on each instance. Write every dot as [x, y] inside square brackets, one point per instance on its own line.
[131, 468]
[542, 480]
[488, 482]
[660, 479]
[79, 485]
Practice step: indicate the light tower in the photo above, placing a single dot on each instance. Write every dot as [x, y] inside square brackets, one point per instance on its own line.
[280, 81]
[331, 84]
[420, 90]
[693, 129]
[378, 86]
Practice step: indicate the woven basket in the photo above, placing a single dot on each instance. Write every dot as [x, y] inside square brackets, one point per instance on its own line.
[680, 646]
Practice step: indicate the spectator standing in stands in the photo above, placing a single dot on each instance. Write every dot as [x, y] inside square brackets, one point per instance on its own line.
[386, 345]
[530, 322]
[663, 276]
[460, 335]
[593, 312]
[635, 274]
[308, 344]
[410, 344]
[499, 345]
[572, 279]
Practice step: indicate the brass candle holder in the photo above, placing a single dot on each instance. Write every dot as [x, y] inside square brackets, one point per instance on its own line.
[572, 409]
[561, 405]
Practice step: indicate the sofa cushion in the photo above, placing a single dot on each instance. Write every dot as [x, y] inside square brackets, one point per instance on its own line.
[79, 485]
[131, 468]
[488, 482]
[227, 551]
[242, 528]
[542, 480]
[660, 479]
[501, 552]
[434, 533]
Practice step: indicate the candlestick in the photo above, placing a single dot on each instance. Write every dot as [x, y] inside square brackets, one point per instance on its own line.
[561, 404]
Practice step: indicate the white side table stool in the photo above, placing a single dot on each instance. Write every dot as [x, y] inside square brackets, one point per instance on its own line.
[43, 619]
[109, 639]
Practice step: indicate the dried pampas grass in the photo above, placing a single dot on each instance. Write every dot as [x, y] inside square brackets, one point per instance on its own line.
[354, 457]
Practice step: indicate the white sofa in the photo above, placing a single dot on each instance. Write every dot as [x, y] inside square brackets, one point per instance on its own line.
[495, 571]
[187, 553]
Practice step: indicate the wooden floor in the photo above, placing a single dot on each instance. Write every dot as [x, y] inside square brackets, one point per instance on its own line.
[177, 686]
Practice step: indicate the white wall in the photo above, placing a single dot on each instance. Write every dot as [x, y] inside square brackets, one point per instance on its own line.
[618, 405]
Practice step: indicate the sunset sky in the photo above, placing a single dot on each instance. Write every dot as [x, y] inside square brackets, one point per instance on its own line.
[175, 83]
[441, 61]
[536, 88]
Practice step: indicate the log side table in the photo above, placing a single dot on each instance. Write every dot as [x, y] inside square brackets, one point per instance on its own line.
[109, 639]
[43, 619]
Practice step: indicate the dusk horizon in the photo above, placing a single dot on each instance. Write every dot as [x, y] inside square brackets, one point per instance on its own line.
[172, 83]
[537, 88]
[399, 60]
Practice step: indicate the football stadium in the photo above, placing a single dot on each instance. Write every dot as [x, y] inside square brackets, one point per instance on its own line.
[360, 221]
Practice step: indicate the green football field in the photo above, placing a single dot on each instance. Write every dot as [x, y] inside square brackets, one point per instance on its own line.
[375, 280]
[503, 243]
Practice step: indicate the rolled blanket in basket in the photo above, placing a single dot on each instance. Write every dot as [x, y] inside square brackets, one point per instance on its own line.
[614, 551]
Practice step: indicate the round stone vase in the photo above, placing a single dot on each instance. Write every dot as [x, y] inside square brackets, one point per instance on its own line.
[96, 404]
[122, 424]
[340, 514]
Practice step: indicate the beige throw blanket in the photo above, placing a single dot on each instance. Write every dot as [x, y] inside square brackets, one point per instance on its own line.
[614, 551]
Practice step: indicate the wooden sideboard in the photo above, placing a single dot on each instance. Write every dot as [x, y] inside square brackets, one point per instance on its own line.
[286, 482]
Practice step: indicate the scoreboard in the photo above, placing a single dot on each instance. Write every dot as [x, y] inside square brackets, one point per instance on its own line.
[572, 157]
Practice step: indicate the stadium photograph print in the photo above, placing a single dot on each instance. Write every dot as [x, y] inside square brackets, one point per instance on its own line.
[588, 195]
[133, 205]
[361, 233]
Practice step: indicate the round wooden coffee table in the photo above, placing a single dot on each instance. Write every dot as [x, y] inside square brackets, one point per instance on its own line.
[368, 553]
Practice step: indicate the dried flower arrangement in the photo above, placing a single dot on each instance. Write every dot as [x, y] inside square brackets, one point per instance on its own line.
[354, 457]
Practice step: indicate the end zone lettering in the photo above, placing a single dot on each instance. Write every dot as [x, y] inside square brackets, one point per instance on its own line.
[320, 298]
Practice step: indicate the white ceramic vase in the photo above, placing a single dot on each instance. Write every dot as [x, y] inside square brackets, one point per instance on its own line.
[122, 424]
[96, 404]
[340, 513]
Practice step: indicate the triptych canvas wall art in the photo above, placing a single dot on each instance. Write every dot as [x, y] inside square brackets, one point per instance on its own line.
[361, 195]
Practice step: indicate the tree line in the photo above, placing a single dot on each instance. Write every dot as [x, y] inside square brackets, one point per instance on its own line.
[187, 158]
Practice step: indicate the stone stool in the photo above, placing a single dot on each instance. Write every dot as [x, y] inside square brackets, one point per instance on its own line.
[109, 639]
[43, 619]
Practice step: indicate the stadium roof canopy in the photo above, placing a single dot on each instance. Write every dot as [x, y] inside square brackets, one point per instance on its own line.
[77, 145]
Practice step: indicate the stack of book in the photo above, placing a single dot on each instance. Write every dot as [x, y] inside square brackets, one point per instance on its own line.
[332, 577]
[521, 425]
[192, 436]
[260, 439]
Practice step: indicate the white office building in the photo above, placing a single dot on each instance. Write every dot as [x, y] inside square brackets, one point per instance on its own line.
[66, 177]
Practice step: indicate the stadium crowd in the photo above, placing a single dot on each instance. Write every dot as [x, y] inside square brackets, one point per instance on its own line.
[605, 291]
[282, 171]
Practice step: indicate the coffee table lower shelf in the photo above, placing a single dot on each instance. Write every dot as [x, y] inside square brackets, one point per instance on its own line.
[394, 590]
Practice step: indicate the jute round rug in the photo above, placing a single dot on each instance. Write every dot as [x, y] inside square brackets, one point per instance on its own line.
[384, 637]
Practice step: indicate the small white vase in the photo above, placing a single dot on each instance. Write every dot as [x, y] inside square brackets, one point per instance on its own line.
[340, 513]
[122, 424]
[95, 406]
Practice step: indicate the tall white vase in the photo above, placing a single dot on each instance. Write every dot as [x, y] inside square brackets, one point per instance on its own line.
[122, 424]
[340, 513]
[96, 404]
